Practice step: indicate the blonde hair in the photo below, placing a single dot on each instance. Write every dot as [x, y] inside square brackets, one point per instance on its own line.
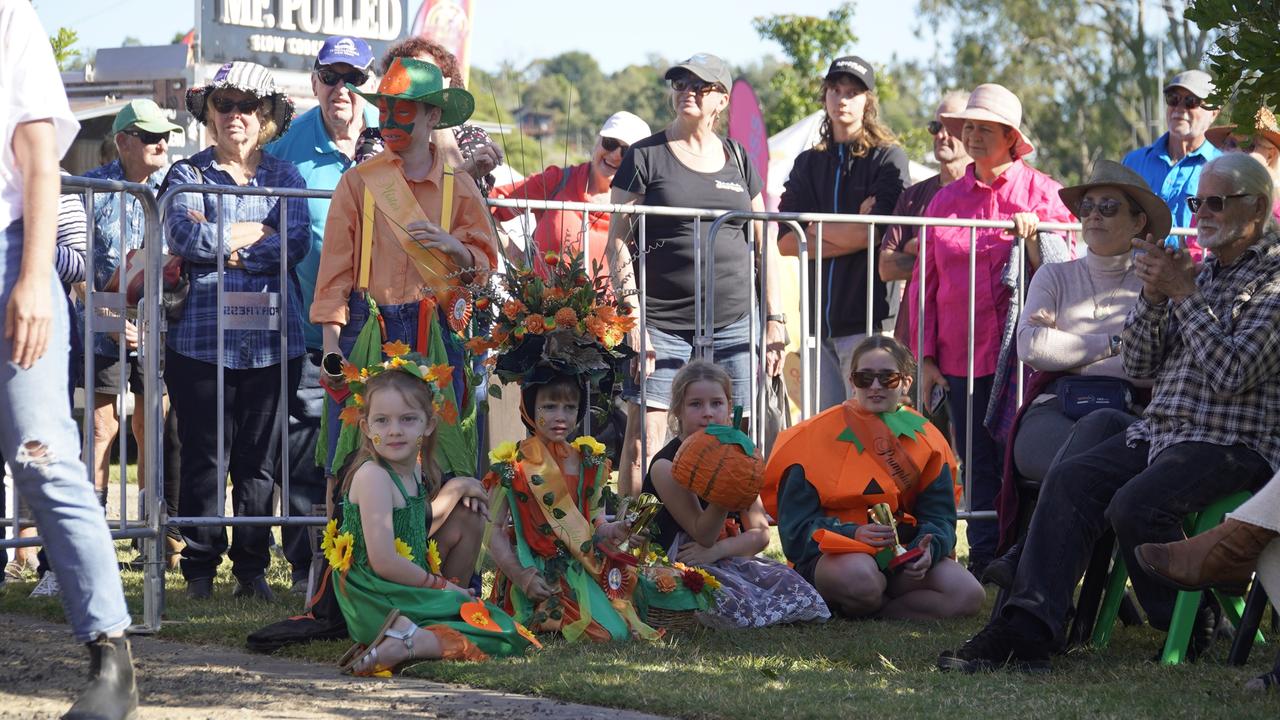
[415, 392]
[692, 372]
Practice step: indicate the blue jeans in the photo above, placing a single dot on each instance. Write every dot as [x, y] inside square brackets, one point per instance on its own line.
[41, 442]
[730, 349]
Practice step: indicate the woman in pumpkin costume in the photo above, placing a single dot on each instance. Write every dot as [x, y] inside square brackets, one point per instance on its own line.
[724, 541]
[389, 579]
[826, 474]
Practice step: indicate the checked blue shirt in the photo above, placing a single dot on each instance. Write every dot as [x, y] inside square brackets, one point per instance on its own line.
[194, 335]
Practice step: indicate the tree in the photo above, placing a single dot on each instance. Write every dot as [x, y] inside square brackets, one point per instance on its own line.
[809, 44]
[1244, 58]
[63, 54]
[131, 41]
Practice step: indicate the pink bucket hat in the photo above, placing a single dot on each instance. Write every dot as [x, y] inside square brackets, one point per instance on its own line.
[992, 103]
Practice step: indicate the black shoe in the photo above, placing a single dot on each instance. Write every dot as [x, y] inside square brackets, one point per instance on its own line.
[996, 646]
[257, 588]
[200, 588]
[978, 566]
[1000, 572]
[112, 693]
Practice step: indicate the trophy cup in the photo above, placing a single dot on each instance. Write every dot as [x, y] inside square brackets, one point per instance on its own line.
[881, 514]
[636, 514]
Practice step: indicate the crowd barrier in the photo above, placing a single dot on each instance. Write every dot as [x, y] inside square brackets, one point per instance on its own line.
[106, 312]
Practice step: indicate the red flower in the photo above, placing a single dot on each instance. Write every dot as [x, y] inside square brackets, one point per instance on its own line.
[693, 580]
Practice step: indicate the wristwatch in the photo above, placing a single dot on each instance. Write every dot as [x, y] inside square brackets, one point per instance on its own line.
[781, 317]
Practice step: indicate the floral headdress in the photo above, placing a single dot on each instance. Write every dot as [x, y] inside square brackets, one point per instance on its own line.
[437, 377]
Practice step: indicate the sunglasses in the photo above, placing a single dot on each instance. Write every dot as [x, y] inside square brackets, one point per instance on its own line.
[333, 77]
[225, 105]
[1109, 207]
[1245, 145]
[697, 87]
[934, 127]
[1189, 102]
[147, 138]
[862, 379]
[1215, 203]
[610, 144]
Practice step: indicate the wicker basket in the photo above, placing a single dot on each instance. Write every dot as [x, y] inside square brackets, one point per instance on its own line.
[673, 620]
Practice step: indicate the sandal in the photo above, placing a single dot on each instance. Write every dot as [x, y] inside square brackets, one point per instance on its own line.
[375, 669]
[355, 653]
[1264, 682]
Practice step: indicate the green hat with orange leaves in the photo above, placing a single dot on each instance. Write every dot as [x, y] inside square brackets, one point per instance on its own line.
[418, 81]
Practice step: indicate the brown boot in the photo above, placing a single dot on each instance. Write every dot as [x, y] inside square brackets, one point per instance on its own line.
[1223, 558]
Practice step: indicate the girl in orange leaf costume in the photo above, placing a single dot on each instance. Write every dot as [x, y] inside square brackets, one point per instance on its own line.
[826, 473]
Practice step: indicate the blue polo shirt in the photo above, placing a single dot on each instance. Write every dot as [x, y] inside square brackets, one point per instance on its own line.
[308, 146]
[1174, 182]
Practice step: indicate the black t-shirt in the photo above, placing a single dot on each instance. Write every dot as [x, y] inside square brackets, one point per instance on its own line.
[652, 170]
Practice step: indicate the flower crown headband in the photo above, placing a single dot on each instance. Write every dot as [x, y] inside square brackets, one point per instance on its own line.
[436, 377]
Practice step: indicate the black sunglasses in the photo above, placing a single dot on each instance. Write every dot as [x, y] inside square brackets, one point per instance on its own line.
[610, 144]
[1109, 207]
[695, 86]
[1215, 203]
[934, 127]
[225, 105]
[1189, 102]
[147, 138]
[862, 379]
[332, 77]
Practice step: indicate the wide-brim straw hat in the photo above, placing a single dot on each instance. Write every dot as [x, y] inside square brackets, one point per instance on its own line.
[992, 103]
[418, 81]
[1107, 173]
[246, 77]
[1264, 124]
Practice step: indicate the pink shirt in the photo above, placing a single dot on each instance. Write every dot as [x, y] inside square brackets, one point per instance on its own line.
[1018, 189]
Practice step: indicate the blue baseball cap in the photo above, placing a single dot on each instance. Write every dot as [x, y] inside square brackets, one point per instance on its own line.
[345, 49]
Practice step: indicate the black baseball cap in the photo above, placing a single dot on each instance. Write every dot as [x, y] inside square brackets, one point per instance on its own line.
[855, 66]
[707, 67]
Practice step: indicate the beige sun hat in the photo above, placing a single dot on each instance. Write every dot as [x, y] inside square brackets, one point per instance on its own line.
[1108, 173]
[992, 103]
[1264, 124]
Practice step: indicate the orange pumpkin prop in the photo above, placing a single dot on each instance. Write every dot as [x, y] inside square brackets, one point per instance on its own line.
[720, 465]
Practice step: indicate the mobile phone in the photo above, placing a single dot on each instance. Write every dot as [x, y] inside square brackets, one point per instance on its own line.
[936, 398]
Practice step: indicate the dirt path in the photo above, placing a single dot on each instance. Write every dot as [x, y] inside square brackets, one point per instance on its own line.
[41, 670]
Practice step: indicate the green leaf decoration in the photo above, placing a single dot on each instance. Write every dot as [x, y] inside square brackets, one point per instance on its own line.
[848, 436]
[586, 547]
[557, 513]
[545, 529]
[732, 436]
[495, 391]
[904, 423]
[549, 498]
[536, 480]
[522, 497]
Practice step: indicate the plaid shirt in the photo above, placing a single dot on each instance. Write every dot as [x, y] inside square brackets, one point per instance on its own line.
[1215, 356]
[194, 335]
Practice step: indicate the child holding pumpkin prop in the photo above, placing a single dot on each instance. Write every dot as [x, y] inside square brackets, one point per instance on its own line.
[825, 475]
[389, 579]
[708, 479]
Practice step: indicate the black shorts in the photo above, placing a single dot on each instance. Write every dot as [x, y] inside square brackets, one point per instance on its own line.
[107, 378]
[806, 568]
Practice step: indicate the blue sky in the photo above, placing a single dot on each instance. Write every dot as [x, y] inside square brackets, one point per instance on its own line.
[523, 30]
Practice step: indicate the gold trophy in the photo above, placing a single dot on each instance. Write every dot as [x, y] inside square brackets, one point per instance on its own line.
[881, 514]
[637, 514]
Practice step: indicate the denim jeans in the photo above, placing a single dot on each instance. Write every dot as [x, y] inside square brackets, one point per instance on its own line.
[983, 471]
[837, 354]
[1114, 485]
[41, 442]
[730, 349]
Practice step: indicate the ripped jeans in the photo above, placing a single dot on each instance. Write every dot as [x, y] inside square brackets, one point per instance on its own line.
[40, 440]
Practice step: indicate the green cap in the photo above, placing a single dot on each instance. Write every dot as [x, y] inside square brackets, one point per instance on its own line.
[144, 115]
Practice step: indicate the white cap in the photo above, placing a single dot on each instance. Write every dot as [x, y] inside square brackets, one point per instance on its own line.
[626, 127]
[1196, 82]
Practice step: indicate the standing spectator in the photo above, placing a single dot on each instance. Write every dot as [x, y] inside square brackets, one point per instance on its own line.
[1207, 335]
[997, 185]
[856, 167]
[322, 144]
[242, 109]
[1172, 164]
[687, 164]
[902, 242]
[36, 435]
[140, 134]
[561, 230]
[1262, 144]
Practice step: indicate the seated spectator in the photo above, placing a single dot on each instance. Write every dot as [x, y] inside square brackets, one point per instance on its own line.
[1207, 336]
[823, 477]
[1262, 144]
[1070, 328]
[563, 230]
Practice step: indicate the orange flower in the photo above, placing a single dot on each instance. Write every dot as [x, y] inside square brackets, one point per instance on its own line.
[555, 293]
[350, 415]
[605, 313]
[395, 349]
[535, 324]
[527, 635]
[449, 412]
[566, 317]
[479, 345]
[512, 308]
[476, 615]
[596, 326]
[441, 375]
[665, 583]
[500, 335]
[350, 372]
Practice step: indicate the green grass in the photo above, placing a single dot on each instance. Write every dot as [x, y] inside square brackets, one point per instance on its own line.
[867, 669]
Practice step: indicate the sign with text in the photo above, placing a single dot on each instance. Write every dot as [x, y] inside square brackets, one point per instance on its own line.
[250, 311]
[287, 34]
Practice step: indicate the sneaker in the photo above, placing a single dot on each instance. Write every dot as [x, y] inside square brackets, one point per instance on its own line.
[200, 588]
[256, 588]
[996, 646]
[1001, 571]
[47, 587]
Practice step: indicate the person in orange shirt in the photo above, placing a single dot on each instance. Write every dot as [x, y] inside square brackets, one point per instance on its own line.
[401, 242]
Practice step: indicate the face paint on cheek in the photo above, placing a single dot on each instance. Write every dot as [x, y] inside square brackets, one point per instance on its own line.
[397, 118]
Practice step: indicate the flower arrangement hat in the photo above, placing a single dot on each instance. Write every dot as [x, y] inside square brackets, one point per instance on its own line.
[418, 81]
[246, 77]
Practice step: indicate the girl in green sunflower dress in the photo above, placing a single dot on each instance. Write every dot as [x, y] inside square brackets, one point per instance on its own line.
[397, 605]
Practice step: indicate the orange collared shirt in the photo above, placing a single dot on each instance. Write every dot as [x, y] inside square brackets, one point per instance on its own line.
[393, 279]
